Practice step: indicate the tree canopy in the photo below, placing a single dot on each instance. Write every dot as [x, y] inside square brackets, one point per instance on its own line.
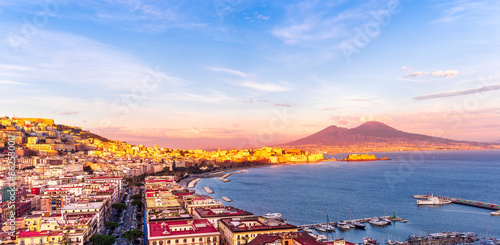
[119, 206]
[99, 239]
[136, 197]
[132, 235]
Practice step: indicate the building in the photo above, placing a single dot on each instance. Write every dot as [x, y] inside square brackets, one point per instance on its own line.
[87, 209]
[242, 231]
[215, 214]
[288, 238]
[198, 201]
[52, 200]
[199, 232]
[40, 237]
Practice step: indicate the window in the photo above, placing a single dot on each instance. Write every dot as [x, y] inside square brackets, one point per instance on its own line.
[286, 242]
[176, 241]
[161, 243]
[185, 240]
[154, 243]
[201, 239]
[168, 241]
[208, 239]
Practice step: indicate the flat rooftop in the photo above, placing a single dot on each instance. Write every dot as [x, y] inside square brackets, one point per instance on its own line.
[227, 211]
[180, 228]
[255, 224]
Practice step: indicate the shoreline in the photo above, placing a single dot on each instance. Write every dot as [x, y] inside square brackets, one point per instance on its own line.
[220, 173]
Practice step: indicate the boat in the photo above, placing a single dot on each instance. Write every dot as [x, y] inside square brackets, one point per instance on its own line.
[359, 225]
[308, 230]
[389, 222]
[273, 216]
[322, 238]
[377, 222]
[405, 221]
[496, 213]
[343, 226]
[432, 200]
[320, 228]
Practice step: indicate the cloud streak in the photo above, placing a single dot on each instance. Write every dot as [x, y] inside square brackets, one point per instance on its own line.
[266, 87]
[458, 93]
[440, 73]
[229, 71]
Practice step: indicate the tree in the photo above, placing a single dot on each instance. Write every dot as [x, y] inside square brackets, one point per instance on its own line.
[119, 206]
[99, 239]
[131, 236]
[111, 224]
[136, 203]
[136, 197]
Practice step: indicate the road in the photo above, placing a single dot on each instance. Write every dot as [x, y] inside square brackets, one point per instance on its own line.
[126, 219]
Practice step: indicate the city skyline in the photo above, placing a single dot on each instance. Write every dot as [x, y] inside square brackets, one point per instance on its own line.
[226, 72]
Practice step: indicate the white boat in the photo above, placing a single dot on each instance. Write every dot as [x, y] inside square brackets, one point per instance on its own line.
[377, 222]
[328, 227]
[496, 213]
[273, 216]
[320, 228]
[343, 226]
[432, 200]
[308, 230]
[322, 238]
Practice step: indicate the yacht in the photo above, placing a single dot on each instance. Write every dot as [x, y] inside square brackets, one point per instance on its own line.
[320, 228]
[432, 200]
[343, 226]
[359, 225]
[496, 213]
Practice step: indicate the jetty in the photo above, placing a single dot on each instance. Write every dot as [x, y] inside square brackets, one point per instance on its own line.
[208, 190]
[461, 201]
[223, 177]
[193, 183]
[226, 199]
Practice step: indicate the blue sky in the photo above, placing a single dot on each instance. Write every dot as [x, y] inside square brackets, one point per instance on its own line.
[251, 73]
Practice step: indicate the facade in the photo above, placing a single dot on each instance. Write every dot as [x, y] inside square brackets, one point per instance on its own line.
[242, 231]
[200, 201]
[190, 232]
[52, 200]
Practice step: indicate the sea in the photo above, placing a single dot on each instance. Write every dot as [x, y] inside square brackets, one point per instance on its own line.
[339, 190]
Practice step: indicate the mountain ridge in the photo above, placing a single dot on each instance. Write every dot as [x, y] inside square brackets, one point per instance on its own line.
[377, 135]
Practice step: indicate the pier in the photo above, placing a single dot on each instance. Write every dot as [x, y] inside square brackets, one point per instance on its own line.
[477, 204]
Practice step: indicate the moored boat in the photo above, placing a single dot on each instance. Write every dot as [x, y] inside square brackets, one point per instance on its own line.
[432, 200]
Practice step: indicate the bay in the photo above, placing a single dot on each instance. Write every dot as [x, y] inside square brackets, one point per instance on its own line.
[307, 193]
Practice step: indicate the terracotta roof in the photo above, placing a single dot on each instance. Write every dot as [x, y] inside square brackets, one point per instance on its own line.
[38, 234]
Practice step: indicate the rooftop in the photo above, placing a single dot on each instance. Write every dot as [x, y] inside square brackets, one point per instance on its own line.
[255, 223]
[299, 237]
[181, 227]
[24, 234]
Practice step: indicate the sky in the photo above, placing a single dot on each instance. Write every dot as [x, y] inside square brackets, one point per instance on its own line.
[234, 73]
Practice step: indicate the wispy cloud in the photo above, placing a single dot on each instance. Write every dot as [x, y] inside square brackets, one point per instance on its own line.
[440, 73]
[230, 71]
[457, 10]
[458, 93]
[267, 87]
[6, 82]
[284, 105]
[330, 108]
[69, 113]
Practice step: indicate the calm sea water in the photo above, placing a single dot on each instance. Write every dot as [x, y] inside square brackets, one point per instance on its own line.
[307, 193]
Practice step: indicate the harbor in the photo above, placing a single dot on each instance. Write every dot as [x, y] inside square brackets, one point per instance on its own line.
[346, 225]
[445, 200]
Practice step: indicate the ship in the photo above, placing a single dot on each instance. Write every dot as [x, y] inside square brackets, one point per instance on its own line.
[362, 157]
[496, 213]
[432, 200]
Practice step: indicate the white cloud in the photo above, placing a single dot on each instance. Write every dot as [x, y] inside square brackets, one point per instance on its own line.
[447, 74]
[440, 73]
[230, 71]
[267, 87]
[6, 82]
[69, 59]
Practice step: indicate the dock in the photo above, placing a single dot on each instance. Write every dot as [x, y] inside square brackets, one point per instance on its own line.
[208, 190]
[477, 204]
[223, 178]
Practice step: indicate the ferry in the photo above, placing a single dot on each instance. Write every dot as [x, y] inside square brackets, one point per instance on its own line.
[432, 200]
[496, 213]
[273, 216]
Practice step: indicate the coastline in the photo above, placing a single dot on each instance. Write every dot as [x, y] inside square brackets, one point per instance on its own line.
[220, 173]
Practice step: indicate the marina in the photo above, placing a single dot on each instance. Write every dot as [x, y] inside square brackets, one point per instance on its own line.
[346, 225]
[438, 200]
